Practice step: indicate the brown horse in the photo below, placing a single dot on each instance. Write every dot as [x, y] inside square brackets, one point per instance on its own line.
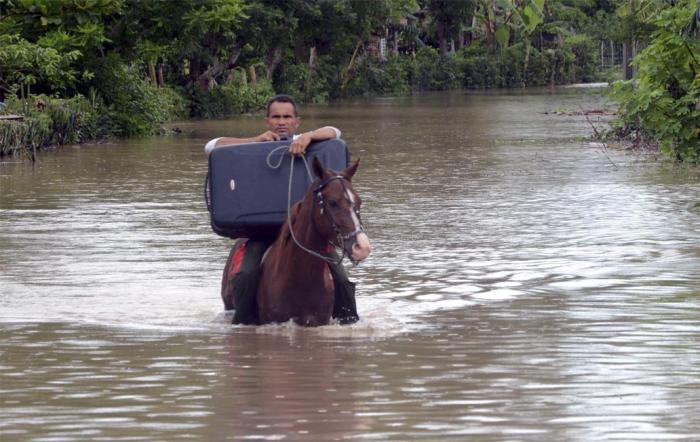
[296, 282]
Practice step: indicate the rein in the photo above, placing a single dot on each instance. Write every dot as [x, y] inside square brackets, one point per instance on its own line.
[319, 195]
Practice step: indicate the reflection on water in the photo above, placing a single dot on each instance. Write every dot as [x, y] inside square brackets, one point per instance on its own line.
[523, 285]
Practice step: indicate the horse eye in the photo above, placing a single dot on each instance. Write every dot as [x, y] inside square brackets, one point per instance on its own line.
[333, 204]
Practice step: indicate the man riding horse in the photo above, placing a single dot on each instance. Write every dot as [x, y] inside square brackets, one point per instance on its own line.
[282, 121]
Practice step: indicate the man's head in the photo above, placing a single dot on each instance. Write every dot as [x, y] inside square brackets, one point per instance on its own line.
[282, 115]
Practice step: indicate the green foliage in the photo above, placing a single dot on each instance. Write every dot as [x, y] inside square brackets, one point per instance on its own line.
[435, 72]
[390, 77]
[229, 99]
[309, 85]
[48, 121]
[21, 137]
[483, 68]
[144, 62]
[664, 99]
[24, 63]
[133, 106]
[449, 18]
[46, 42]
[583, 61]
[475, 67]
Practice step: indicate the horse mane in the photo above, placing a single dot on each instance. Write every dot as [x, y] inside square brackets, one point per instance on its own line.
[285, 234]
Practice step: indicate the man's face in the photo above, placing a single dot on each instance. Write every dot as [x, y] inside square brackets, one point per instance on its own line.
[281, 119]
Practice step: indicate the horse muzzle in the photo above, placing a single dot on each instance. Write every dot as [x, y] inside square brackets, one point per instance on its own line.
[359, 249]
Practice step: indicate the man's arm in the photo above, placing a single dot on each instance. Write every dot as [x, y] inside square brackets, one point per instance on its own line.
[300, 143]
[225, 141]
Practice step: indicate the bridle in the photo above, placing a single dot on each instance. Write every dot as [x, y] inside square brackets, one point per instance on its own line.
[341, 238]
[321, 202]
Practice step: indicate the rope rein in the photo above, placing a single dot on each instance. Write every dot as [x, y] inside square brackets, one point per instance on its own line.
[289, 200]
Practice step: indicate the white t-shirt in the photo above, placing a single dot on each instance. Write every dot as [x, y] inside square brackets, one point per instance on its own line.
[212, 143]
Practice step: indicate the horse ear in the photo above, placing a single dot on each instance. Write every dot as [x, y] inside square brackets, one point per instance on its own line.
[319, 170]
[350, 171]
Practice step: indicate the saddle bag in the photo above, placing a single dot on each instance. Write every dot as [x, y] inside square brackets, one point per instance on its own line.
[247, 185]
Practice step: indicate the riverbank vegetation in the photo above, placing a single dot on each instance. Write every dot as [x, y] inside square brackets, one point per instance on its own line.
[79, 70]
[661, 104]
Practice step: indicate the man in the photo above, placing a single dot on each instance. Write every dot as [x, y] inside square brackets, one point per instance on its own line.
[282, 121]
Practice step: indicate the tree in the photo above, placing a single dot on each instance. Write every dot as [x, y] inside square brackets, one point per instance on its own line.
[47, 43]
[449, 17]
[664, 97]
[522, 17]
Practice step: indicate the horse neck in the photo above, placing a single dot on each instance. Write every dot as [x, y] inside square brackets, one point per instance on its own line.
[307, 235]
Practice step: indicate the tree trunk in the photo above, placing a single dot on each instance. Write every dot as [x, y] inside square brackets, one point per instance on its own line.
[272, 60]
[627, 56]
[312, 68]
[394, 38]
[208, 78]
[161, 76]
[253, 75]
[444, 48]
[345, 74]
[459, 44]
[489, 28]
[313, 56]
[152, 73]
[526, 62]
[194, 68]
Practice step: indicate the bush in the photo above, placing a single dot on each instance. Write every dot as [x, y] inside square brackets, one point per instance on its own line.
[584, 65]
[664, 99]
[479, 70]
[317, 86]
[134, 106]
[48, 121]
[377, 77]
[17, 137]
[434, 72]
[229, 99]
[504, 68]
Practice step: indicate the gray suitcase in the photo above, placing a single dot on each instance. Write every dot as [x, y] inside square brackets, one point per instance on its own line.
[248, 198]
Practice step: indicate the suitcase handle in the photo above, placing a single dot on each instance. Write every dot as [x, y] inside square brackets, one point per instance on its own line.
[207, 192]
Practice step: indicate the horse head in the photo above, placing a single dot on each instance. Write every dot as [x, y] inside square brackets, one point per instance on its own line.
[337, 216]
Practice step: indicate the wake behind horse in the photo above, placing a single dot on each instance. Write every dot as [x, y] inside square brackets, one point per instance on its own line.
[295, 281]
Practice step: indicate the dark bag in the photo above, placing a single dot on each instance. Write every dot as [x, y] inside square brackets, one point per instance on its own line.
[247, 186]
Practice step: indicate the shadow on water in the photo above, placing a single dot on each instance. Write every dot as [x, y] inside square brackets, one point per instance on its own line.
[524, 285]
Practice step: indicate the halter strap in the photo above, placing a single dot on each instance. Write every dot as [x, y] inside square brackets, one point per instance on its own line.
[327, 181]
[321, 202]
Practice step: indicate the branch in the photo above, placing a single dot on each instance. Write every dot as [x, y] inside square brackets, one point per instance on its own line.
[599, 136]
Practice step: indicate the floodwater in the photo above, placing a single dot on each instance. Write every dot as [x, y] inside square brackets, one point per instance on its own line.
[525, 285]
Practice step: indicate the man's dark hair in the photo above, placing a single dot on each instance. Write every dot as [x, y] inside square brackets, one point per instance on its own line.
[282, 98]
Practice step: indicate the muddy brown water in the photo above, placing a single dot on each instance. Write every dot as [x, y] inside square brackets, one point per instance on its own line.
[524, 285]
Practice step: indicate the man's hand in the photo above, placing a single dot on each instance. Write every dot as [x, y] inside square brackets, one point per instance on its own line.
[267, 136]
[298, 146]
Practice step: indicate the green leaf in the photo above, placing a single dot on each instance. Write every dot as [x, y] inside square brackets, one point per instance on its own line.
[502, 36]
[533, 18]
